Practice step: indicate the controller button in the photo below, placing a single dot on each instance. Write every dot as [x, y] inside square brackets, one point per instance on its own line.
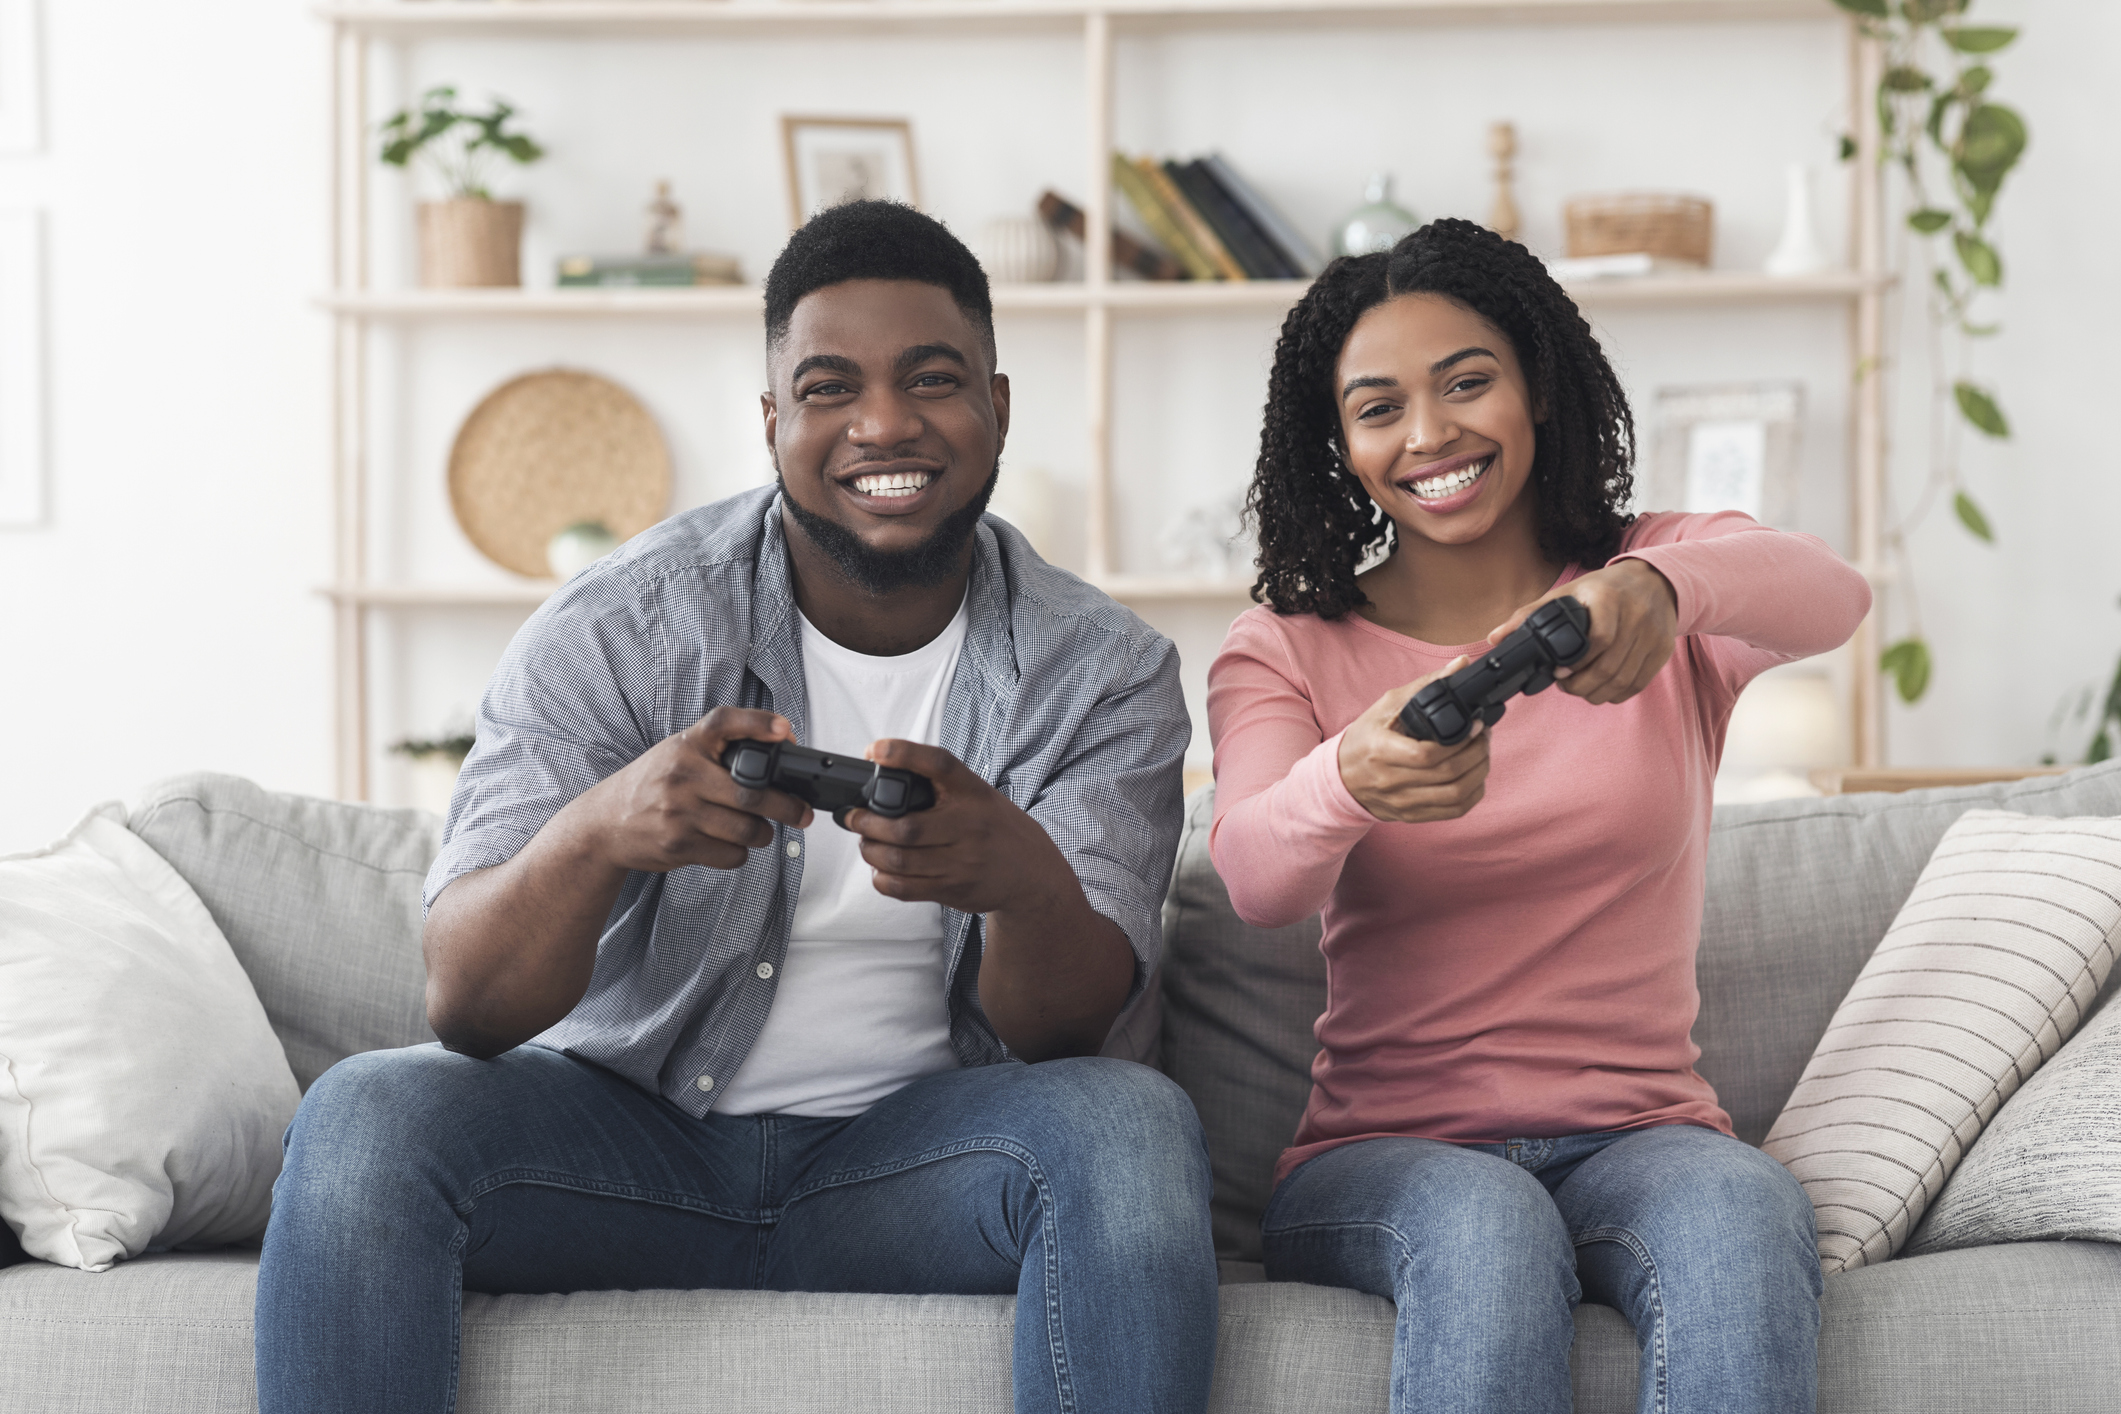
[887, 794]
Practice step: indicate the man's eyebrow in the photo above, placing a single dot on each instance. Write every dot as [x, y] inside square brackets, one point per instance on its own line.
[1463, 354]
[921, 353]
[838, 363]
[1373, 381]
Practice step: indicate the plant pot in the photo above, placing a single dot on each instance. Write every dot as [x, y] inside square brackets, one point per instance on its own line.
[470, 241]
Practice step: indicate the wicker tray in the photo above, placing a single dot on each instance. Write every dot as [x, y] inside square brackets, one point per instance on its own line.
[1667, 227]
[549, 450]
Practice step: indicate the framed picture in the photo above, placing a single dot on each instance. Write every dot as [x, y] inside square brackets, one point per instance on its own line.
[831, 160]
[1726, 448]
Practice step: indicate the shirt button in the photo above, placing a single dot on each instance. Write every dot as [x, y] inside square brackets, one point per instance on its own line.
[764, 970]
[705, 1082]
[795, 847]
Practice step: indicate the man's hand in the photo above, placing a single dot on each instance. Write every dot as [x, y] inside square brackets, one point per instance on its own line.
[510, 949]
[1055, 970]
[1634, 623]
[1397, 778]
[675, 804]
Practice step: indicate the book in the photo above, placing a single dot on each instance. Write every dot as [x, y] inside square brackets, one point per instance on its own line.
[1276, 227]
[1195, 225]
[656, 271]
[1253, 251]
[1162, 223]
[1127, 253]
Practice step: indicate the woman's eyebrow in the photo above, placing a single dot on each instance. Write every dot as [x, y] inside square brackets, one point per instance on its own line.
[1475, 352]
[1372, 381]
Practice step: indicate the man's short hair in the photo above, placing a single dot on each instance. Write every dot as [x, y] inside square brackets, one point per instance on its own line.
[875, 240]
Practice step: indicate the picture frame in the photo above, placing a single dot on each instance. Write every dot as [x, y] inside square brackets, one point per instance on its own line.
[1728, 446]
[831, 160]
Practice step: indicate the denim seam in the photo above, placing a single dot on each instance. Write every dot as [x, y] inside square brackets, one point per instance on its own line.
[549, 1179]
[1661, 1335]
[1056, 1339]
[456, 1316]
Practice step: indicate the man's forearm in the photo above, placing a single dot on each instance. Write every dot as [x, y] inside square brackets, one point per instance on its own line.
[1055, 973]
[510, 949]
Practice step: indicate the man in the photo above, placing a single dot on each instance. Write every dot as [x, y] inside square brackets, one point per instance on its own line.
[767, 1051]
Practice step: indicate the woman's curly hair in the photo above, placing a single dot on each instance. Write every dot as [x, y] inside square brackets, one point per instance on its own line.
[1317, 524]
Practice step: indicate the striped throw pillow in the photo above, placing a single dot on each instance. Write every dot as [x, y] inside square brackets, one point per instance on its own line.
[2009, 934]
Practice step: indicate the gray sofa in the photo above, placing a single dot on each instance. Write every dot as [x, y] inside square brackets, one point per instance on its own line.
[320, 901]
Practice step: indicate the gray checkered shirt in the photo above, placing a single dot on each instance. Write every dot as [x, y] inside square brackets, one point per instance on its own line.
[1066, 701]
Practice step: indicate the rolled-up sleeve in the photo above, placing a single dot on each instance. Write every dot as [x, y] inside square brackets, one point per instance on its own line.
[1116, 802]
[573, 700]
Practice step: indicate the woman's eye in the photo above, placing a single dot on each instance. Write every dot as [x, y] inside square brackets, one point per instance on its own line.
[1468, 385]
[1375, 411]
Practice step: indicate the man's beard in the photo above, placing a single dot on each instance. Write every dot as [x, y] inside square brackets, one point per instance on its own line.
[882, 571]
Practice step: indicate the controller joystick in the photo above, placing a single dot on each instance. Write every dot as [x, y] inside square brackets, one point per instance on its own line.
[1557, 634]
[829, 783]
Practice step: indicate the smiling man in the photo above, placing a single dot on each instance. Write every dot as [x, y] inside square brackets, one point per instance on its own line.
[694, 1036]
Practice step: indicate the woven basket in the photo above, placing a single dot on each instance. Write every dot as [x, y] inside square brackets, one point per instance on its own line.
[549, 450]
[468, 242]
[1667, 227]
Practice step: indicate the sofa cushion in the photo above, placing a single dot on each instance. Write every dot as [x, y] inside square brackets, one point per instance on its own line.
[1800, 892]
[2049, 1165]
[320, 900]
[1988, 969]
[1239, 1003]
[2020, 1327]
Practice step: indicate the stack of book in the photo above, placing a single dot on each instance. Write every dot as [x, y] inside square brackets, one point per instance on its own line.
[1210, 219]
[660, 271]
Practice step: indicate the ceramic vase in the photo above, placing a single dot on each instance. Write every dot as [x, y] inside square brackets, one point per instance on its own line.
[1017, 251]
[1377, 226]
[577, 548]
[1799, 251]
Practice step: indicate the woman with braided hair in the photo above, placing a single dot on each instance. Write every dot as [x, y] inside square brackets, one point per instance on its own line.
[1504, 1117]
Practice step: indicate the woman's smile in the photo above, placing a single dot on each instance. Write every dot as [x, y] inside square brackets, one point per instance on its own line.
[1444, 487]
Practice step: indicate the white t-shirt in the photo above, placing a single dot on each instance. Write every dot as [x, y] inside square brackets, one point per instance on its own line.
[860, 1010]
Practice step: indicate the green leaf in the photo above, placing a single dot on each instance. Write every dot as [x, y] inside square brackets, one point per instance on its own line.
[1908, 661]
[2102, 747]
[1981, 410]
[1924, 12]
[1848, 148]
[1929, 220]
[1905, 78]
[1974, 82]
[1970, 516]
[1978, 41]
[1863, 7]
[1939, 106]
[1979, 331]
[1979, 204]
[1990, 142]
[1979, 258]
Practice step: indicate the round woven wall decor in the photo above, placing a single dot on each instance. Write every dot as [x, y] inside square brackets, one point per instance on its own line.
[549, 450]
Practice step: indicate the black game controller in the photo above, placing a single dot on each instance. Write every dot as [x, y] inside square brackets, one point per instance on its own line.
[1555, 636]
[830, 783]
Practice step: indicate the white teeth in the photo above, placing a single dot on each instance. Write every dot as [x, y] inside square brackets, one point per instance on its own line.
[895, 483]
[1449, 482]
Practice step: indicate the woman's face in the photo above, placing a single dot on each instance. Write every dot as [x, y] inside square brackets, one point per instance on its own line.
[1436, 418]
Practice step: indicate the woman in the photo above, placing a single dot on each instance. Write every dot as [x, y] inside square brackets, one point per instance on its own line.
[1504, 1116]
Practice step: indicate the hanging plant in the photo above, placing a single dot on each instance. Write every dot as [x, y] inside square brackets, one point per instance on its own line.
[1952, 145]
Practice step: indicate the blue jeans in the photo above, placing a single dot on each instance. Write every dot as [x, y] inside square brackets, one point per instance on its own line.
[1079, 1186]
[1704, 1243]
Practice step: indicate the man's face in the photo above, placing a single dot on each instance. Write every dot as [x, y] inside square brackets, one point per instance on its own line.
[886, 421]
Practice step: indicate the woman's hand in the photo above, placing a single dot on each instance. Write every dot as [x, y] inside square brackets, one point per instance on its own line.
[1634, 621]
[1395, 777]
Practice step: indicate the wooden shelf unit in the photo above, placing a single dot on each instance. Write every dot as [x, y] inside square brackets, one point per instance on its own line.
[1097, 299]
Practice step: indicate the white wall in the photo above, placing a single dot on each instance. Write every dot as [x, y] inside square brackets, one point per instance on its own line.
[163, 620]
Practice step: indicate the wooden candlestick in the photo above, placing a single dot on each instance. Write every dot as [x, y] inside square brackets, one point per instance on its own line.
[1502, 146]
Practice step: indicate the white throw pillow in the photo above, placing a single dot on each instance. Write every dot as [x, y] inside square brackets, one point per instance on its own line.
[142, 1092]
[2049, 1167]
[2006, 939]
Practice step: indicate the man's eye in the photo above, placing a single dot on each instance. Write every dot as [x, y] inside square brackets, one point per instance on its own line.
[825, 390]
[935, 380]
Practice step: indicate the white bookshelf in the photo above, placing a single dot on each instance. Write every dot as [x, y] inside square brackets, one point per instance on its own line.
[1098, 299]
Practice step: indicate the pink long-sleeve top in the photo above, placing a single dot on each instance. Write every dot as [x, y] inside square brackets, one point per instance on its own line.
[1526, 970]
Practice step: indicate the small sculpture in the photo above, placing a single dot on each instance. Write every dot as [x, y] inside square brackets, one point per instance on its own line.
[1378, 226]
[1502, 146]
[1799, 252]
[666, 223]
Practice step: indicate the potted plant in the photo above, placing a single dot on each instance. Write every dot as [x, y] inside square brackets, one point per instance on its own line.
[468, 238]
[434, 767]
